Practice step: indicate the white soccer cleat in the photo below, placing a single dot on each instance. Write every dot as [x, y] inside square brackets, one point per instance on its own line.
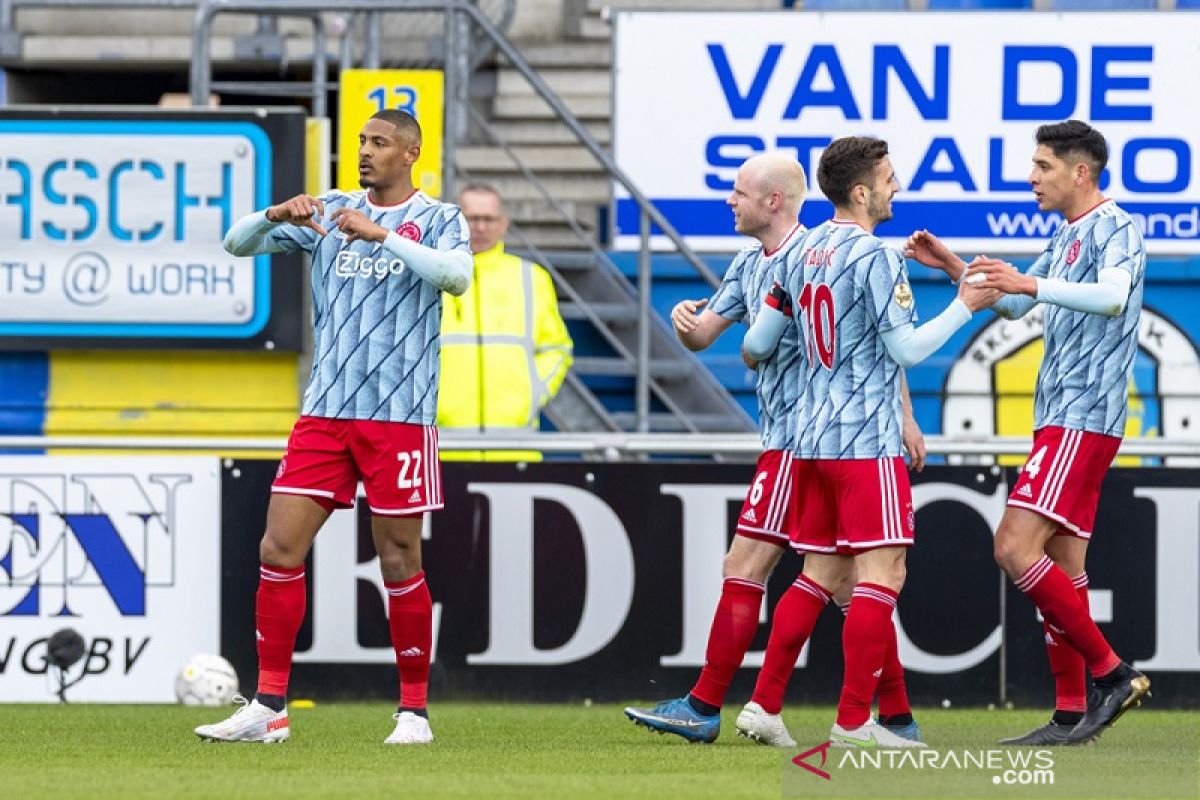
[870, 736]
[253, 722]
[410, 729]
[755, 723]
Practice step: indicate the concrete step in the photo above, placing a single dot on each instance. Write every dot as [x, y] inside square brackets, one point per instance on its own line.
[621, 313]
[578, 189]
[548, 238]
[482, 160]
[562, 81]
[663, 369]
[532, 107]
[595, 29]
[542, 132]
[130, 51]
[119, 22]
[533, 212]
[544, 55]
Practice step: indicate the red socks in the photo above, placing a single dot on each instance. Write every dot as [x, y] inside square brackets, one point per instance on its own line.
[410, 619]
[278, 612]
[733, 627]
[1057, 598]
[891, 690]
[865, 641]
[1066, 664]
[795, 617]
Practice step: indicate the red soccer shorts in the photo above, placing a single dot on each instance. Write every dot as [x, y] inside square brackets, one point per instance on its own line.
[397, 463]
[768, 514]
[850, 505]
[1061, 479]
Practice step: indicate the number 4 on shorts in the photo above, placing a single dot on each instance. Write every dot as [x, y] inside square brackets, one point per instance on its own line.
[1034, 465]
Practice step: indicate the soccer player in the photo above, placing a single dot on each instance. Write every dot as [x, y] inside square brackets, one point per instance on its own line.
[1090, 279]
[381, 259]
[852, 312]
[767, 195]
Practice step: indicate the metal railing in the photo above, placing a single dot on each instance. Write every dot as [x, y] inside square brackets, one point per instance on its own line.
[460, 15]
[610, 446]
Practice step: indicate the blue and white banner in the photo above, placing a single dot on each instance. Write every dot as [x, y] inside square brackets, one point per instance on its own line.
[114, 228]
[125, 551]
[958, 97]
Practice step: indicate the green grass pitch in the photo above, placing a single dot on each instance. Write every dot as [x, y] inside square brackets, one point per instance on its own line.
[534, 751]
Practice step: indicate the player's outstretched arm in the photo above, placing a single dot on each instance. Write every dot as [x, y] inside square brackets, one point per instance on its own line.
[925, 248]
[909, 345]
[448, 270]
[768, 328]
[1107, 296]
[249, 236]
[1017, 300]
[695, 326]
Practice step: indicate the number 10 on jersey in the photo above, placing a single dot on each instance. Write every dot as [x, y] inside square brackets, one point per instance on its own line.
[817, 320]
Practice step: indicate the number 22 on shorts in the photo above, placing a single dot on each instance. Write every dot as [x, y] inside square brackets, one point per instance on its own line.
[410, 470]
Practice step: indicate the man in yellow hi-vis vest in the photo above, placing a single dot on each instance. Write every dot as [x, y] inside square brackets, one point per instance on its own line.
[505, 349]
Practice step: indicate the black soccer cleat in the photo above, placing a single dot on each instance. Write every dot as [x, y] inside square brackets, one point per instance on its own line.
[1052, 734]
[1108, 701]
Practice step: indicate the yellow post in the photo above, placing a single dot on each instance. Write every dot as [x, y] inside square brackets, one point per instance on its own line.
[420, 92]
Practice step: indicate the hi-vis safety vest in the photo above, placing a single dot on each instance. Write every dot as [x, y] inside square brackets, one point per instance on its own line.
[505, 352]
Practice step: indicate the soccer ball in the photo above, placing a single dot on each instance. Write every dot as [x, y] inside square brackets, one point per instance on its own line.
[206, 680]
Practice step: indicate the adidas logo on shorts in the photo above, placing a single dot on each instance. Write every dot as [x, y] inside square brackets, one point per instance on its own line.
[415, 497]
[412, 652]
[750, 516]
[1025, 491]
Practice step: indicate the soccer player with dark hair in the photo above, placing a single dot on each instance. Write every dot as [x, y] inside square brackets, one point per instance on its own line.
[381, 259]
[1090, 279]
[853, 316]
[767, 195]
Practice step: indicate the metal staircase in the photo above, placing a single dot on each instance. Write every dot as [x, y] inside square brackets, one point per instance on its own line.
[673, 390]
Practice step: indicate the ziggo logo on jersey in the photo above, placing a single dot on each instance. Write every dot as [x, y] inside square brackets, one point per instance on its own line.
[352, 265]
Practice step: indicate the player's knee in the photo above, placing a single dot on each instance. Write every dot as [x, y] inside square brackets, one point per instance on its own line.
[752, 562]
[1008, 552]
[276, 551]
[896, 575]
[400, 563]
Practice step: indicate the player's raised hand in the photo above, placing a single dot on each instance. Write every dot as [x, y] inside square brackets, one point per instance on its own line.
[971, 289]
[685, 315]
[356, 225]
[299, 211]
[992, 273]
[925, 248]
[914, 443]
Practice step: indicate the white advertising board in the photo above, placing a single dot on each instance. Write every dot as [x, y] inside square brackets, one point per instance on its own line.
[114, 228]
[127, 552]
[958, 97]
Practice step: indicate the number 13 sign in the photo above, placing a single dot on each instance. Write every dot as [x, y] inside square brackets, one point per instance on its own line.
[420, 92]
